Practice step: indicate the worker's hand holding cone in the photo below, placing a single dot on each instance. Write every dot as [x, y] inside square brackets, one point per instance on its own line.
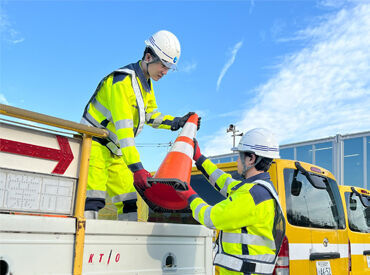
[174, 172]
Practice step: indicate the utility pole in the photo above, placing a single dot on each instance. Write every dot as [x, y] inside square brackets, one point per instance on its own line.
[232, 129]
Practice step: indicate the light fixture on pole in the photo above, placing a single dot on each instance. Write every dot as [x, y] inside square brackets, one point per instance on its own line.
[232, 129]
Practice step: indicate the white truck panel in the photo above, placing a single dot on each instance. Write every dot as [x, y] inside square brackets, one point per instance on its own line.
[142, 248]
[44, 245]
[37, 245]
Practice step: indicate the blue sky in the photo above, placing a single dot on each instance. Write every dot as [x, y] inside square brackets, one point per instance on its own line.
[300, 68]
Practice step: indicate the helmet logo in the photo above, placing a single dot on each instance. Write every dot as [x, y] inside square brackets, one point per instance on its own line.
[175, 59]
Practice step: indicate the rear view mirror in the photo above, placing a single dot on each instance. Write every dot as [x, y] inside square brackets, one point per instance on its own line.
[296, 187]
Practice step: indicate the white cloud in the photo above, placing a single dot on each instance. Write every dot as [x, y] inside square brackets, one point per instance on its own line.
[251, 7]
[3, 100]
[7, 32]
[188, 67]
[320, 91]
[233, 52]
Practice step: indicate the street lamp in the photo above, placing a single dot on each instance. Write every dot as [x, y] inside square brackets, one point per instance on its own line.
[232, 129]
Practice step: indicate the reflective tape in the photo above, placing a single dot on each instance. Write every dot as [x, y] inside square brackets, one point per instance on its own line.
[223, 191]
[249, 239]
[127, 142]
[139, 98]
[149, 115]
[236, 264]
[102, 109]
[124, 123]
[95, 194]
[124, 197]
[215, 175]
[91, 121]
[197, 211]
[183, 147]
[207, 218]
[157, 121]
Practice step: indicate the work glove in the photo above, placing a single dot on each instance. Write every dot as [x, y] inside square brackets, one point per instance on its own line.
[185, 195]
[140, 179]
[197, 152]
[179, 122]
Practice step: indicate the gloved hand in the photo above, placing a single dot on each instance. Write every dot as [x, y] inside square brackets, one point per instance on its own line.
[185, 195]
[197, 152]
[180, 122]
[140, 178]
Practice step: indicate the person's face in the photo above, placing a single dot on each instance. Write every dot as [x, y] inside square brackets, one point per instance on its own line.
[248, 161]
[157, 70]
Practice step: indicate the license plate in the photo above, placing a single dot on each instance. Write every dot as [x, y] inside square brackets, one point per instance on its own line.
[323, 268]
[368, 260]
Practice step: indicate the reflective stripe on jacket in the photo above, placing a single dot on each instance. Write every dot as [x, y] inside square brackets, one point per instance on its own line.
[121, 104]
[250, 220]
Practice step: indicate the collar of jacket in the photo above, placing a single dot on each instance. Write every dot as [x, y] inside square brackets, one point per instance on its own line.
[263, 176]
[140, 74]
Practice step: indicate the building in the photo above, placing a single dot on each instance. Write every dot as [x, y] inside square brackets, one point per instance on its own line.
[346, 156]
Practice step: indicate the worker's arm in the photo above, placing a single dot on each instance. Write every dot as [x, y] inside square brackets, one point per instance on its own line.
[222, 181]
[238, 210]
[154, 118]
[122, 118]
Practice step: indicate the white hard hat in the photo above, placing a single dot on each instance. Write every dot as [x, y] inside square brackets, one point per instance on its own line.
[259, 141]
[166, 46]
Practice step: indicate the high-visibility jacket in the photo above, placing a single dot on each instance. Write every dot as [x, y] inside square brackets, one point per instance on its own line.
[250, 221]
[123, 101]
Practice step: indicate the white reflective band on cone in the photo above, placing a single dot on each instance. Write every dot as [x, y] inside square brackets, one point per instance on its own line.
[189, 130]
[183, 147]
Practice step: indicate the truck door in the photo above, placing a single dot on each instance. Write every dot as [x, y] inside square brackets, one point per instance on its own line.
[316, 230]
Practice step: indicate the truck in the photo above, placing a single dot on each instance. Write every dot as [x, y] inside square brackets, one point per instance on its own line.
[43, 176]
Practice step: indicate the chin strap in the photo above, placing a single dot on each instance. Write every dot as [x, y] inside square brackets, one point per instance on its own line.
[245, 168]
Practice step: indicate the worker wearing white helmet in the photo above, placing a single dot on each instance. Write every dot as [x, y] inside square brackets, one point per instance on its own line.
[122, 103]
[249, 219]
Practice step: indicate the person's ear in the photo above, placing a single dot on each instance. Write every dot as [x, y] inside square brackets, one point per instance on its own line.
[148, 57]
[252, 158]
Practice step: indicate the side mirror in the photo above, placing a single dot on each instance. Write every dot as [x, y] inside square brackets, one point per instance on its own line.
[296, 187]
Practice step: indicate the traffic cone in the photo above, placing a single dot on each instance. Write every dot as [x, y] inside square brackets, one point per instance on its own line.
[174, 172]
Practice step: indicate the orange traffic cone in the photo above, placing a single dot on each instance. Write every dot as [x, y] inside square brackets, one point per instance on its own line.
[174, 172]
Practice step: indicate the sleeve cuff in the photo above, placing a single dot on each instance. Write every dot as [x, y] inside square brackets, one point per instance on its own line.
[135, 167]
[200, 161]
[192, 197]
[175, 124]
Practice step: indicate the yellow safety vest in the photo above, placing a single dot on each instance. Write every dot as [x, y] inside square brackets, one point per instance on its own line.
[250, 220]
[121, 104]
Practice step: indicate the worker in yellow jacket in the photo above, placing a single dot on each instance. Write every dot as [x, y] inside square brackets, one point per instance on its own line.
[122, 103]
[250, 219]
